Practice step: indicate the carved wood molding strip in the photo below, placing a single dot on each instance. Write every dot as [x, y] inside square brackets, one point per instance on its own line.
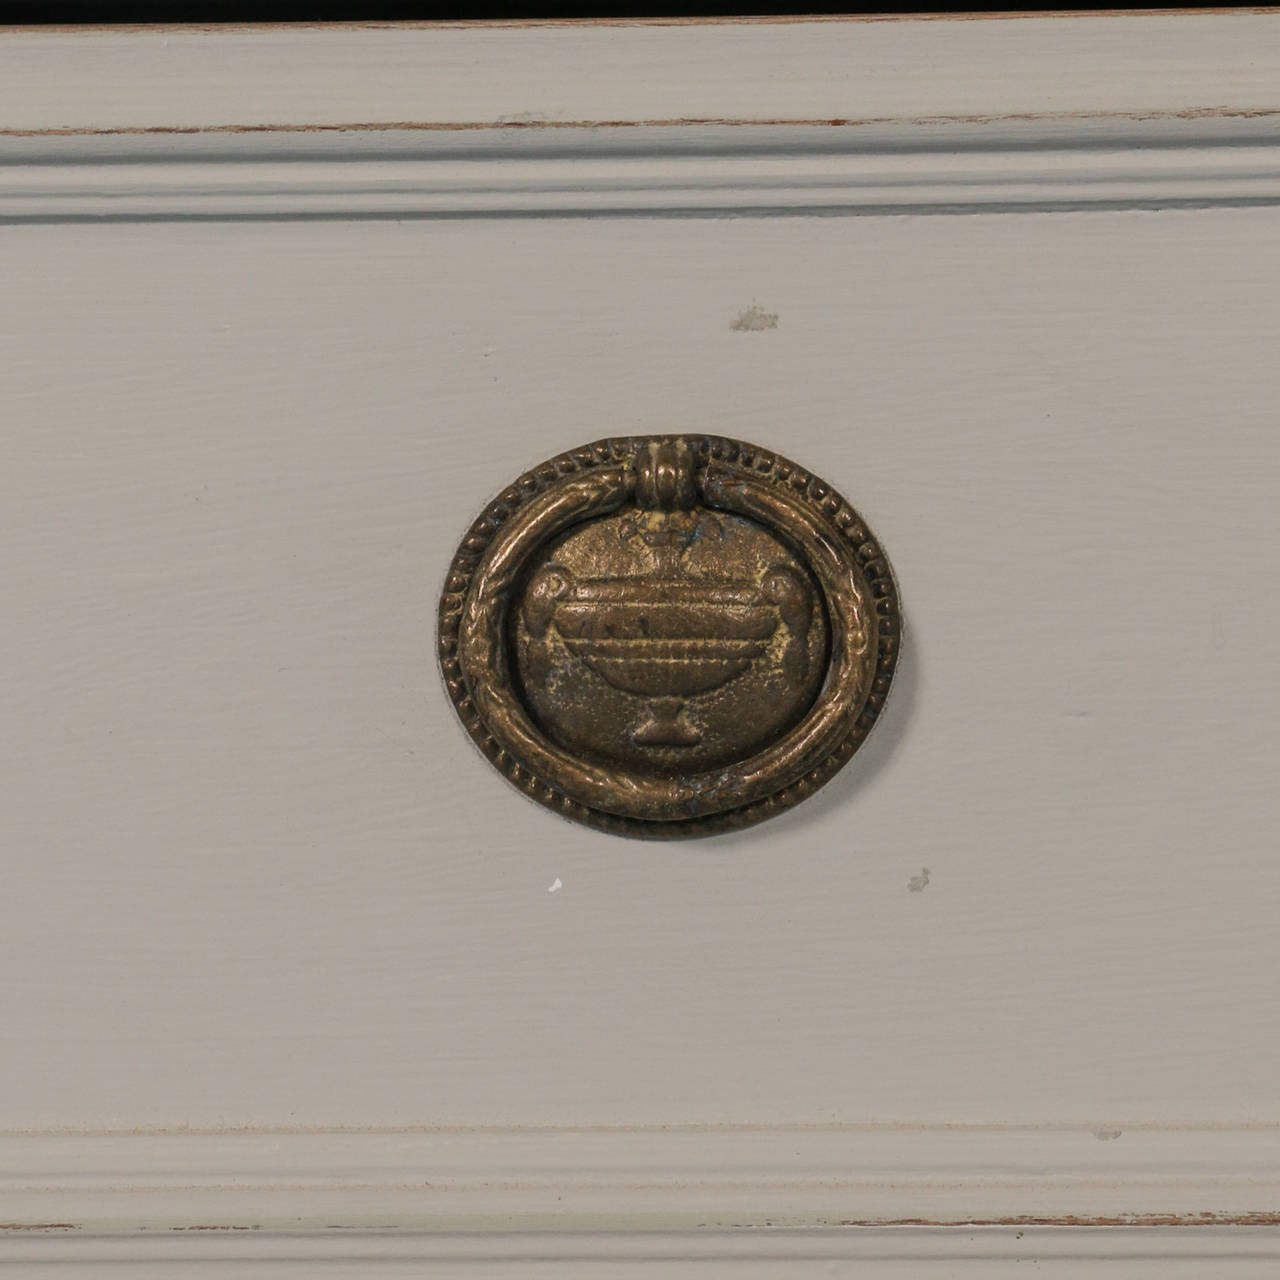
[645, 1179]
[707, 171]
[934, 1253]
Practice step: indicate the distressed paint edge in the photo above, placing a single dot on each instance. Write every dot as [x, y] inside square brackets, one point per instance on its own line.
[645, 1181]
[966, 1251]
[533, 123]
[855, 67]
[708, 20]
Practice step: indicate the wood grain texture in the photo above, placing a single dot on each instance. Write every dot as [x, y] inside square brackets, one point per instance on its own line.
[195, 79]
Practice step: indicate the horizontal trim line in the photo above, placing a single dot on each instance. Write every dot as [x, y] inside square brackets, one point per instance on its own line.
[728, 20]
[1235, 1248]
[456, 126]
[653, 212]
[654, 1179]
[685, 171]
[678, 1127]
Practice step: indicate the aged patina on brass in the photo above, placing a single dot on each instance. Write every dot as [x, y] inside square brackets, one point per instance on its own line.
[669, 636]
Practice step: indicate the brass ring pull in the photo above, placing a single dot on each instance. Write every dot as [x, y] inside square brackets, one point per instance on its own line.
[669, 636]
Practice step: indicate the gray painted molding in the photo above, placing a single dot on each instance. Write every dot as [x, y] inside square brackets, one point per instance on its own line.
[654, 171]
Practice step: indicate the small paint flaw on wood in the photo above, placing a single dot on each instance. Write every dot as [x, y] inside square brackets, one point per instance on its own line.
[754, 319]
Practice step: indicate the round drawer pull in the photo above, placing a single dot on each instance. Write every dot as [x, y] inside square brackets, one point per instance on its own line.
[670, 635]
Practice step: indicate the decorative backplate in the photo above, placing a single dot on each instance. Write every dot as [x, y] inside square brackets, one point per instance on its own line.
[669, 635]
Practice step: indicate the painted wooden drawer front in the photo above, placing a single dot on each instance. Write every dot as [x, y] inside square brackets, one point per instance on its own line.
[285, 957]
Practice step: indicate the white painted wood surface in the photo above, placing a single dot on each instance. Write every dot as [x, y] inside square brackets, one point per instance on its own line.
[280, 950]
[823, 69]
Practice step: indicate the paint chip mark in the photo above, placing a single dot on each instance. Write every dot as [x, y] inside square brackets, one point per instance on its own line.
[918, 884]
[257, 1226]
[556, 886]
[1107, 1135]
[754, 319]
